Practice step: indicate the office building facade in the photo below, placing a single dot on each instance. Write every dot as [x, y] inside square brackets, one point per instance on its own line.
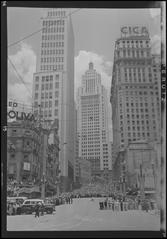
[53, 85]
[134, 91]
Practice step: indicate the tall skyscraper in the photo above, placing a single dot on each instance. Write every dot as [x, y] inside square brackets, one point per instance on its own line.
[134, 91]
[93, 122]
[53, 84]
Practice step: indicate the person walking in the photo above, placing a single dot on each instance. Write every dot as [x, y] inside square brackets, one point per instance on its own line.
[113, 205]
[121, 204]
[109, 204]
[71, 198]
[42, 209]
[105, 203]
[37, 207]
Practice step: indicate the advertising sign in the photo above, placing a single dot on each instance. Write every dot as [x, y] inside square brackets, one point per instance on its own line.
[20, 115]
[19, 111]
[127, 31]
[26, 166]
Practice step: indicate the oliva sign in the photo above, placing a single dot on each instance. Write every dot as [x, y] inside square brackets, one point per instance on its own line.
[21, 115]
[136, 30]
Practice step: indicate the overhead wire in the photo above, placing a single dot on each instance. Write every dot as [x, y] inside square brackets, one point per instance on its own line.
[30, 35]
[26, 37]
[19, 76]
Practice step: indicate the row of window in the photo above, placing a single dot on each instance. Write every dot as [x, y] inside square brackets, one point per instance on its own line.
[139, 128]
[135, 70]
[139, 122]
[92, 144]
[137, 110]
[53, 30]
[138, 92]
[136, 80]
[47, 113]
[52, 59]
[138, 116]
[56, 13]
[133, 43]
[53, 37]
[137, 104]
[133, 53]
[48, 94]
[51, 22]
[90, 154]
[52, 52]
[46, 104]
[46, 78]
[52, 44]
[52, 67]
[144, 134]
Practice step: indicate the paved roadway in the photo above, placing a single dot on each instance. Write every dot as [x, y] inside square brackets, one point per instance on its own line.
[84, 214]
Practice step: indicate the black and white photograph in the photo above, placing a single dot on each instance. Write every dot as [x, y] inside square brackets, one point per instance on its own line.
[84, 142]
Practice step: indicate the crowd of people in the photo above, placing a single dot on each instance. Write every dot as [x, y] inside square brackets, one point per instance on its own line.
[125, 204]
[13, 208]
[118, 204]
[113, 201]
[63, 198]
[12, 188]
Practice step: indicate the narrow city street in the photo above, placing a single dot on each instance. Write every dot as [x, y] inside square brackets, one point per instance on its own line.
[84, 214]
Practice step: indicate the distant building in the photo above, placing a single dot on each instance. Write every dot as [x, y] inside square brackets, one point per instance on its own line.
[85, 171]
[32, 155]
[53, 84]
[93, 127]
[23, 152]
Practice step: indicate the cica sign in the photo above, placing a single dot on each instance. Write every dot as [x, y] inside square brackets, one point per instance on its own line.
[21, 115]
[134, 31]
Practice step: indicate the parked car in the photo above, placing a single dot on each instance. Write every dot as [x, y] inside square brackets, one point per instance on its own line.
[28, 206]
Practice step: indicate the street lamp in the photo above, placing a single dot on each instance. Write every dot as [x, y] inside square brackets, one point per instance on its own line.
[43, 181]
[120, 183]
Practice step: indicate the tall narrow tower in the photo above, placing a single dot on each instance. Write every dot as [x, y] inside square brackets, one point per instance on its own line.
[53, 84]
[93, 122]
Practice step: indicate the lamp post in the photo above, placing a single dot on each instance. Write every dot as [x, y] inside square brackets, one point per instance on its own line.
[124, 186]
[43, 181]
[120, 183]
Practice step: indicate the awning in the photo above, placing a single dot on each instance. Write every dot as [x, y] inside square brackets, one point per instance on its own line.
[29, 190]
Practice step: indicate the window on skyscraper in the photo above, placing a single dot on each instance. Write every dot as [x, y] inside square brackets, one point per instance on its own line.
[57, 85]
[46, 104]
[36, 95]
[37, 78]
[46, 87]
[56, 112]
[36, 86]
[56, 102]
[50, 95]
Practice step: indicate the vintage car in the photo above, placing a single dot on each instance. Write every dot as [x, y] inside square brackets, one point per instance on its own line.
[28, 206]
